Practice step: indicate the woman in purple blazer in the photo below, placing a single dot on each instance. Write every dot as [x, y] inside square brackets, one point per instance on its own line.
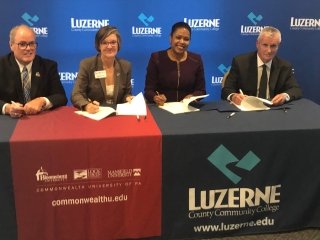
[175, 73]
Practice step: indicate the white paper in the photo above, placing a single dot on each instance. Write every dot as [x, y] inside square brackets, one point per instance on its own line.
[252, 103]
[102, 113]
[183, 106]
[136, 107]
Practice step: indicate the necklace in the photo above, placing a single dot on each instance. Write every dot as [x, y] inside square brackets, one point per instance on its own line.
[175, 57]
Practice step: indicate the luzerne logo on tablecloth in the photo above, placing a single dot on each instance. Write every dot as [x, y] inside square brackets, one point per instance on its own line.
[221, 157]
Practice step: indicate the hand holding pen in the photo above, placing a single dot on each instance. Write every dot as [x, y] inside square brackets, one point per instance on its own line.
[92, 106]
[15, 109]
[237, 97]
[159, 99]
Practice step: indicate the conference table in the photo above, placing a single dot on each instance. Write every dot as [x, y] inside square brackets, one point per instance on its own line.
[171, 176]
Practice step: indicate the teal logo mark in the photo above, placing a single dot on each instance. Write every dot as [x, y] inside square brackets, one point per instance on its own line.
[223, 69]
[254, 18]
[222, 157]
[30, 19]
[145, 20]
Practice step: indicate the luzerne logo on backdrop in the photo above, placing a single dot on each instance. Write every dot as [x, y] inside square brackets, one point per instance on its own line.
[32, 21]
[253, 28]
[85, 25]
[217, 80]
[304, 23]
[68, 77]
[146, 30]
[203, 24]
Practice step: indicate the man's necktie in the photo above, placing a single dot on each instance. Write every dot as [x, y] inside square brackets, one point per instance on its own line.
[26, 84]
[263, 82]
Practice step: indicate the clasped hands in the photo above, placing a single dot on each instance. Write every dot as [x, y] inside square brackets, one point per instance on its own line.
[17, 110]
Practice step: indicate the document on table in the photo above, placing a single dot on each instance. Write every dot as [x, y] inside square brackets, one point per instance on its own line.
[252, 103]
[182, 106]
[102, 113]
[136, 107]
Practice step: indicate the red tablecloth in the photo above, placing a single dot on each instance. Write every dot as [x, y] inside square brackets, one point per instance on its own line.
[77, 178]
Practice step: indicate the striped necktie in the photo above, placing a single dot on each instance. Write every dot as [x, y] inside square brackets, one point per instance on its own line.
[26, 84]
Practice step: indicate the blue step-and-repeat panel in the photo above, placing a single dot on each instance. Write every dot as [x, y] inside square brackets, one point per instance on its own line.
[221, 29]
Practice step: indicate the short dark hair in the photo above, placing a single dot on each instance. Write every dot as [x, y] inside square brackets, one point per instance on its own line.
[180, 25]
[104, 32]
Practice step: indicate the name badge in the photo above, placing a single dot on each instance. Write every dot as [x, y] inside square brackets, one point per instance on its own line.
[100, 74]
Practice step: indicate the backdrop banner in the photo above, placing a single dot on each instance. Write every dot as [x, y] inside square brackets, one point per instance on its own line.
[221, 29]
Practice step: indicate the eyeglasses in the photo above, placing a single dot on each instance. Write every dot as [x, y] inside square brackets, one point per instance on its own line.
[24, 45]
[111, 43]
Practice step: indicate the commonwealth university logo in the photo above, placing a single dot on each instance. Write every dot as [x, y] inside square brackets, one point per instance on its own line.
[221, 157]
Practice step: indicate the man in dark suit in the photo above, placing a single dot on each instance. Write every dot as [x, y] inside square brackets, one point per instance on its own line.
[249, 76]
[29, 83]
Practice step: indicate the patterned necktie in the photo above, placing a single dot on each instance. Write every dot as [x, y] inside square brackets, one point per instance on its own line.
[25, 84]
[263, 82]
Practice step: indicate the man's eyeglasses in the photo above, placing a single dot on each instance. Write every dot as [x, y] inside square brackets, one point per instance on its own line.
[111, 43]
[24, 45]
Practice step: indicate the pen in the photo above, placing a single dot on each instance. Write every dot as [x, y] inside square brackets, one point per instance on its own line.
[231, 114]
[93, 102]
[14, 103]
[157, 93]
[17, 114]
[241, 92]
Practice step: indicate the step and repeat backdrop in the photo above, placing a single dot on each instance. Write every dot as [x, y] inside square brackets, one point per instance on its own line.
[221, 29]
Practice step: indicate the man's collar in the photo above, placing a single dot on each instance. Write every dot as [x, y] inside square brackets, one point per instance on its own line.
[21, 66]
[260, 62]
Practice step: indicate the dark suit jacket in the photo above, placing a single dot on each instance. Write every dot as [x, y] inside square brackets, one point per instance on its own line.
[244, 74]
[88, 87]
[45, 81]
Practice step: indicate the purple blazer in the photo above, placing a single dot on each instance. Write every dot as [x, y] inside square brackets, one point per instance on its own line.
[174, 80]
